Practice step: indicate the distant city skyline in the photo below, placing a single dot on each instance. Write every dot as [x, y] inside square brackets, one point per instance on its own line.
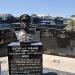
[63, 8]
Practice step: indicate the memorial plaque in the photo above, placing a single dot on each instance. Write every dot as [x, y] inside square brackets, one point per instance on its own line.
[25, 59]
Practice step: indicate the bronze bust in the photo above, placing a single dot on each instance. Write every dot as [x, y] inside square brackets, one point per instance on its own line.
[24, 34]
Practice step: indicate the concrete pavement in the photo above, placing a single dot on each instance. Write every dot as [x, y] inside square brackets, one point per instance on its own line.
[51, 63]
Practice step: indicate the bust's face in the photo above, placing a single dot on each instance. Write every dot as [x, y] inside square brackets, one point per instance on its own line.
[24, 23]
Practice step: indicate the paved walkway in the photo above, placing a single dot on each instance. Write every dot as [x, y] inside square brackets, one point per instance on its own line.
[50, 63]
[59, 63]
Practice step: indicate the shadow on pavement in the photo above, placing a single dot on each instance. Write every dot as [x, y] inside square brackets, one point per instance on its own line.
[50, 73]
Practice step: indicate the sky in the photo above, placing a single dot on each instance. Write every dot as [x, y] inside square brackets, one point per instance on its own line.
[63, 8]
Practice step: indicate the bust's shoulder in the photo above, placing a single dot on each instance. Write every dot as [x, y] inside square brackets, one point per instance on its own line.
[31, 32]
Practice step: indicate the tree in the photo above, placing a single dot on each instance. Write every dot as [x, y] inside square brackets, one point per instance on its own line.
[72, 22]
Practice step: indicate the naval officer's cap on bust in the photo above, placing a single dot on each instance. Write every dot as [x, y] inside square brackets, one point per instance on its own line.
[25, 21]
